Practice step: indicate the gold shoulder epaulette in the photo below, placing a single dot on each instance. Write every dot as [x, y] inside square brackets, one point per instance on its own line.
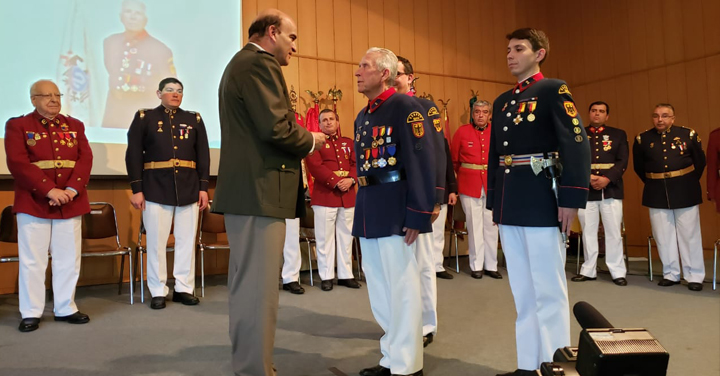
[142, 112]
[197, 115]
[638, 138]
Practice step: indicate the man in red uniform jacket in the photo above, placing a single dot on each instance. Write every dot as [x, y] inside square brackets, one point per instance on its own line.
[50, 159]
[470, 147]
[333, 201]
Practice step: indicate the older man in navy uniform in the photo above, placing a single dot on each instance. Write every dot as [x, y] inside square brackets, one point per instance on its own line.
[609, 149]
[168, 164]
[135, 61]
[396, 175]
[50, 160]
[670, 161]
[536, 129]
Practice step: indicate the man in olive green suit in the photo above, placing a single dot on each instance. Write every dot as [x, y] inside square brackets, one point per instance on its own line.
[259, 183]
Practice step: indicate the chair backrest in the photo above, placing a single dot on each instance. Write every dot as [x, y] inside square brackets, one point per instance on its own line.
[210, 222]
[308, 221]
[458, 213]
[8, 226]
[100, 222]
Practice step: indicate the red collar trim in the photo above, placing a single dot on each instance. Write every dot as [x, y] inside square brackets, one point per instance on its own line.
[374, 104]
[521, 86]
[597, 130]
[410, 93]
[40, 118]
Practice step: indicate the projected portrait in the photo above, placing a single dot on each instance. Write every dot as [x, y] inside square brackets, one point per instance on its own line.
[135, 62]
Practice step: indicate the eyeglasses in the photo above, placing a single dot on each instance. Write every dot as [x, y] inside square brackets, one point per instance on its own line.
[48, 96]
[171, 90]
[401, 73]
[663, 116]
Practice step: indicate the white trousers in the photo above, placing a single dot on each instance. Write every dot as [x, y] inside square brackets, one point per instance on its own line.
[393, 284]
[424, 252]
[536, 268]
[677, 231]
[482, 233]
[292, 260]
[438, 231]
[334, 225]
[611, 211]
[158, 220]
[63, 239]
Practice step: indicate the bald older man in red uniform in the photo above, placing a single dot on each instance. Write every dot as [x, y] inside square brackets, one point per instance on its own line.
[50, 159]
[470, 148]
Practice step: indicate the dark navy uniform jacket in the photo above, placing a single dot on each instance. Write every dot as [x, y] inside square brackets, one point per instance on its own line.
[438, 137]
[517, 196]
[451, 185]
[608, 146]
[407, 148]
[675, 149]
[159, 135]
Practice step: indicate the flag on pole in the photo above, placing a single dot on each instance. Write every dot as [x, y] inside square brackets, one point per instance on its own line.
[73, 69]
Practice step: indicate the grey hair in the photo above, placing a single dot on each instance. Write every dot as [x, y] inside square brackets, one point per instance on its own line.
[125, 4]
[481, 103]
[386, 59]
[35, 84]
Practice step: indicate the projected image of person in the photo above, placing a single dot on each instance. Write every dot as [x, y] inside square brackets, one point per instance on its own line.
[135, 62]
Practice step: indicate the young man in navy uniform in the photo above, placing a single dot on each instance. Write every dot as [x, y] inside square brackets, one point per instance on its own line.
[50, 160]
[396, 175]
[430, 246]
[609, 150]
[536, 129]
[168, 164]
[670, 161]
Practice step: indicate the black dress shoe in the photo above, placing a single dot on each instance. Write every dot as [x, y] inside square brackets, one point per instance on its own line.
[444, 275]
[76, 318]
[427, 339]
[582, 278]
[666, 282]
[493, 274]
[350, 282]
[29, 324]
[418, 373]
[620, 281]
[378, 370]
[185, 298]
[476, 275]
[294, 288]
[519, 372]
[157, 302]
[326, 285]
[695, 286]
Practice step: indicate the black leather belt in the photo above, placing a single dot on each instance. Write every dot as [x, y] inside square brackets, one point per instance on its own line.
[382, 178]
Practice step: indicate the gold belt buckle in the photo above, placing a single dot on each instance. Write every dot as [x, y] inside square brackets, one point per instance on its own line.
[363, 181]
[667, 175]
[59, 164]
[508, 160]
[176, 162]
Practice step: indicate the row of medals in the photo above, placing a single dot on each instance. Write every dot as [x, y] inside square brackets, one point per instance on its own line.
[184, 133]
[33, 141]
[381, 162]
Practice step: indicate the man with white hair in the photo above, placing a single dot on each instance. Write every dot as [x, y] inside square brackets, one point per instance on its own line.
[50, 159]
[394, 204]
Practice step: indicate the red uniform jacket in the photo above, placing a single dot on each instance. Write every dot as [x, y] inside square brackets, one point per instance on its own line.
[470, 145]
[713, 170]
[53, 145]
[326, 165]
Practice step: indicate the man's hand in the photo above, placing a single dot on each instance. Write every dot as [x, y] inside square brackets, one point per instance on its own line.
[58, 197]
[319, 139]
[71, 194]
[344, 184]
[138, 201]
[410, 235]
[566, 216]
[435, 213]
[452, 199]
[202, 201]
[599, 183]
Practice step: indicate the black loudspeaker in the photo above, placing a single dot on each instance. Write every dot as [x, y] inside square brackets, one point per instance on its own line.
[620, 352]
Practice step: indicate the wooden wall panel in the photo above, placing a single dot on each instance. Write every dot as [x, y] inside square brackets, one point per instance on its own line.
[376, 23]
[693, 29]
[342, 20]
[360, 42]
[325, 29]
[391, 17]
[406, 22]
[711, 31]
